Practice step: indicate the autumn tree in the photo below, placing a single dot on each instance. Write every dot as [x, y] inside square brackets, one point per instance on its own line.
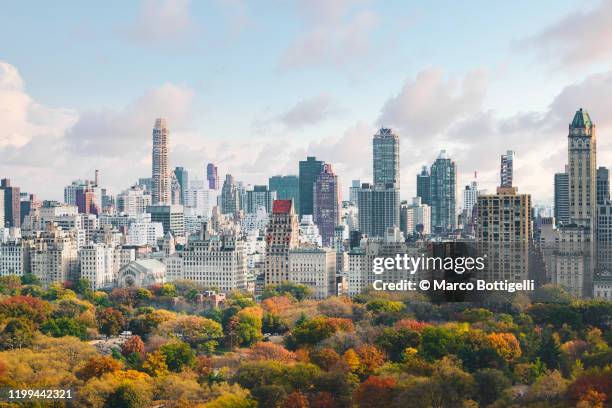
[506, 345]
[110, 321]
[195, 330]
[271, 351]
[375, 392]
[491, 383]
[155, 364]
[16, 333]
[296, 400]
[96, 366]
[133, 345]
[325, 357]
[178, 355]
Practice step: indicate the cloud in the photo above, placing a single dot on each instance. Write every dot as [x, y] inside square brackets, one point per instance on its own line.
[336, 33]
[162, 21]
[22, 118]
[309, 111]
[430, 103]
[581, 37]
[127, 132]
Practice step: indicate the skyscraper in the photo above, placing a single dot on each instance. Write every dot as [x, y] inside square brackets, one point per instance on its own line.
[212, 175]
[326, 203]
[12, 204]
[443, 189]
[562, 198]
[287, 188]
[424, 186]
[309, 171]
[385, 147]
[230, 197]
[582, 170]
[506, 172]
[353, 191]
[378, 209]
[182, 176]
[281, 236]
[603, 185]
[258, 197]
[161, 181]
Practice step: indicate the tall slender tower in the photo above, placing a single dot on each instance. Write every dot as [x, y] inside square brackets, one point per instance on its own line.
[386, 158]
[161, 179]
[582, 156]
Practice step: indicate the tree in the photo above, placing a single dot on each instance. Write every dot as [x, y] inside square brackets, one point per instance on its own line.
[110, 321]
[17, 333]
[269, 395]
[178, 355]
[30, 279]
[273, 324]
[491, 383]
[98, 365]
[195, 330]
[296, 400]
[128, 395]
[325, 357]
[311, 332]
[351, 359]
[133, 345]
[506, 345]
[384, 306]
[248, 326]
[64, 326]
[395, 340]
[371, 357]
[271, 351]
[375, 392]
[27, 307]
[155, 364]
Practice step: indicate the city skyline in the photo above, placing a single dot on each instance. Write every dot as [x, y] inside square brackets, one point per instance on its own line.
[61, 130]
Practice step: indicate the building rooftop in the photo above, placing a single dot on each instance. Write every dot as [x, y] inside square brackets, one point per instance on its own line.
[282, 206]
[581, 119]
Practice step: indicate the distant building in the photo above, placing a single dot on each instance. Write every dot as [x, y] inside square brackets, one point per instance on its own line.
[182, 177]
[257, 197]
[281, 236]
[170, 216]
[386, 163]
[378, 209]
[415, 217]
[230, 196]
[562, 215]
[133, 201]
[506, 172]
[315, 268]
[12, 204]
[212, 176]
[309, 171]
[287, 188]
[326, 198]
[161, 178]
[603, 185]
[353, 191]
[443, 192]
[424, 185]
[142, 273]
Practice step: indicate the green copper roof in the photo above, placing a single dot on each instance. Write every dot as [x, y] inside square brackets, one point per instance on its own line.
[581, 119]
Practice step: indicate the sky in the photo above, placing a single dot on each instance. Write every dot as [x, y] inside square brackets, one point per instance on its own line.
[257, 86]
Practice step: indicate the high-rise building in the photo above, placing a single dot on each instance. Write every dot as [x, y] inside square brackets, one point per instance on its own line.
[326, 203]
[133, 201]
[12, 204]
[603, 185]
[315, 268]
[470, 197]
[212, 176]
[386, 165]
[562, 198]
[424, 186]
[281, 236]
[443, 182]
[287, 188]
[582, 170]
[171, 217]
[506, 172]
[182, 176]
[257, 197]
[86, 201]
[54, 257]
[161, 181]
[415, 217]
[378, 209]
[353, 191]
[2, 210]
[309, 171]
[230, 196]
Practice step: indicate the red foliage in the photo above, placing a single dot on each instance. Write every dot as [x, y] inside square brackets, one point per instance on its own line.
[340, 324]
[411, 324]
[323, 400]
[133, 345]
[296, 400]
[599, 381]
[28, 307]
[375, 392]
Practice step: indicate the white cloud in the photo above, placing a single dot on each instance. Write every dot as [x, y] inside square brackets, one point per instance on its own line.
[162, 21]
[336, 33]
[309, 111]
[583, 36]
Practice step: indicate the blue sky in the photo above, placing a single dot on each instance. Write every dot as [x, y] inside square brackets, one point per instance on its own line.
[255, 86]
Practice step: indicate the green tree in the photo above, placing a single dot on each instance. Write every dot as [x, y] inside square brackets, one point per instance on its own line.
[178, 355]
[128, 395]
[395, 341]
[490, 383]
[17, 333]
[64, 326]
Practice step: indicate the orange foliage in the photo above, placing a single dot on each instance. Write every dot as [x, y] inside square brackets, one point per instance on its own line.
[98, 365]
[276, 304]
[271, 351]
[371, 356]
[296, 400]
[506, 345]
[375, 392]
[411, 324]
[341, 324]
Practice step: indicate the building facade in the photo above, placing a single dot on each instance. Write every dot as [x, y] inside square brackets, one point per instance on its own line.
[161, 181]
